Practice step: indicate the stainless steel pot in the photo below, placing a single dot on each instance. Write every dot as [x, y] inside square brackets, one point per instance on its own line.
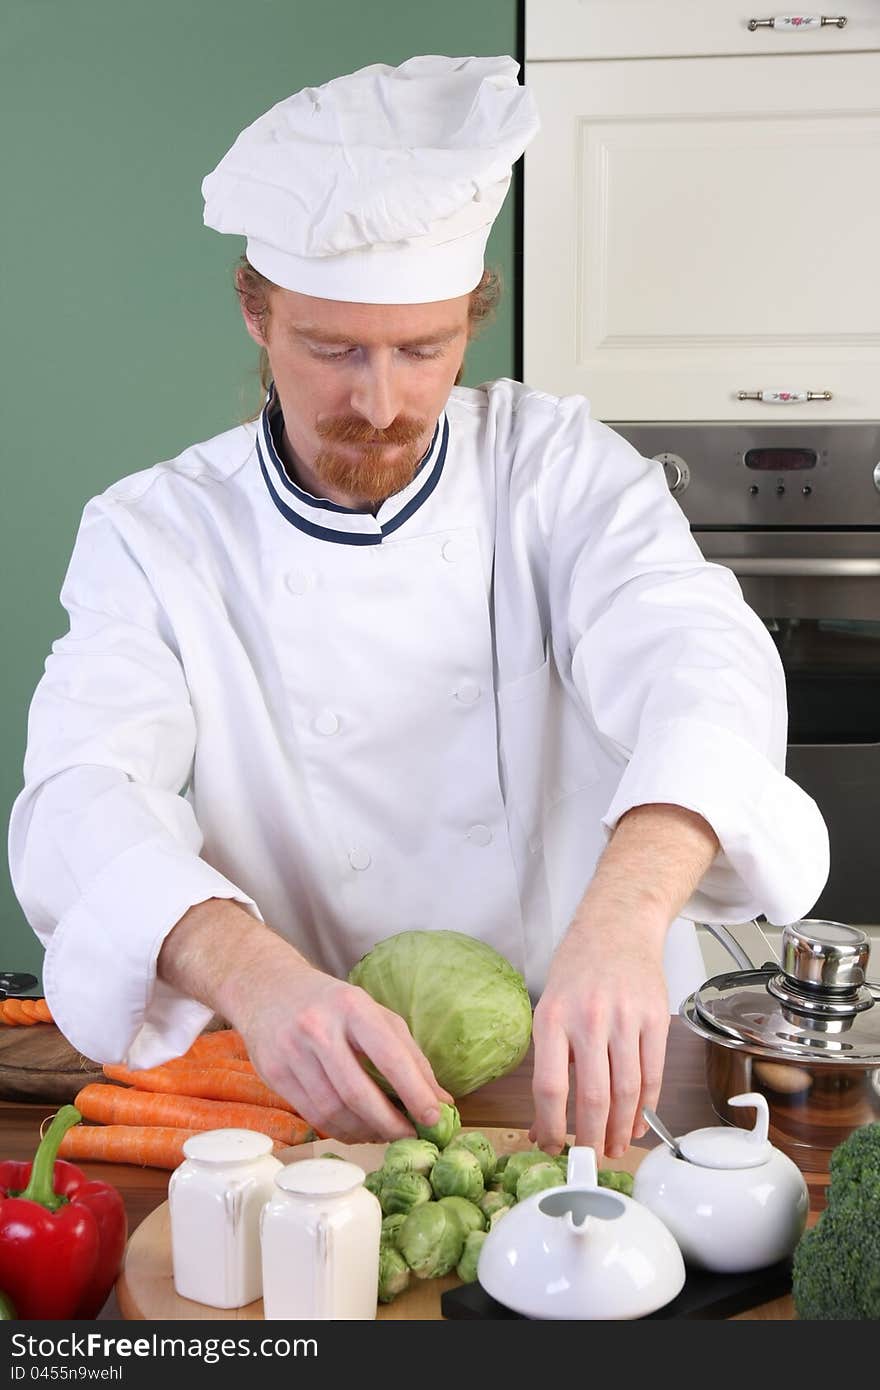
[803, 1031]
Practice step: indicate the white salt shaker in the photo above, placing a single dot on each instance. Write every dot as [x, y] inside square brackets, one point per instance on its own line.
[320, 1241]
[215, 1198]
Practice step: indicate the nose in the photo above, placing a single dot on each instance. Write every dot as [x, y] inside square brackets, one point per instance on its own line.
[375, 394]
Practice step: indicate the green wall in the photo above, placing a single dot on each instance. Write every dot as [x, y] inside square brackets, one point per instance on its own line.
[121, 341]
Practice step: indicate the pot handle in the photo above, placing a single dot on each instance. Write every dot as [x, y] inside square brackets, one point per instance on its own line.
[730, 944]
[733, 947]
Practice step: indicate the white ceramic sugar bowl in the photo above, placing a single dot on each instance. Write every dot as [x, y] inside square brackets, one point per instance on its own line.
[733, 1202]
[320, 1242]
[215, 1198]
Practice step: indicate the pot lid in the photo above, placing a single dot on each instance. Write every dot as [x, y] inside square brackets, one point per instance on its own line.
[723, 1146]
[818, 1005]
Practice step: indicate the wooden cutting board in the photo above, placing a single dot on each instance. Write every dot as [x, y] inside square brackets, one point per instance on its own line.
[38, 1063]
[145, 1288]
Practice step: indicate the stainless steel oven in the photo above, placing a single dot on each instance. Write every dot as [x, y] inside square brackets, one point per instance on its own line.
[794, 511]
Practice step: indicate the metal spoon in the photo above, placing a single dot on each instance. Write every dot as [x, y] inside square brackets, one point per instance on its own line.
[659, 1128]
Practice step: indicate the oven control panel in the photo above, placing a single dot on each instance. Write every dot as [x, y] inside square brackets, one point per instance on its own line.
[776, 475]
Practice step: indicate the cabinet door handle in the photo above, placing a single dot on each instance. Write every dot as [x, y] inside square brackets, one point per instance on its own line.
[783, 397]
[798, 21]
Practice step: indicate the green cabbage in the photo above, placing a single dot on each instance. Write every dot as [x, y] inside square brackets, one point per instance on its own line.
[465, 1005]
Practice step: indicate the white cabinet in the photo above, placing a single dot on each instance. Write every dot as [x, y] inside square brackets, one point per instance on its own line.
[561, 29]
[697, 227]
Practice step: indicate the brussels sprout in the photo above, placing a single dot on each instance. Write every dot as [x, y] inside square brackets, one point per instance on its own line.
[517, 1164]
[536, 1178]
[468, 1213]
[618, 1181]
[373, 1181]
[501, 1163]
[410, 1156]
[479, 1146]
[497, 1215]
[440, 1133]
[470, 1255]
[490, 1202]
[457, 1174]
[393, 1273]
[403, 1191]
[431, 1240]
[390, 1233]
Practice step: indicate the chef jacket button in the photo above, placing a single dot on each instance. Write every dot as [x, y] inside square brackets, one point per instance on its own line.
[359, 859]
[468, 692]
[451, 551]
[480, 835]
[327, 723]
[298, 582]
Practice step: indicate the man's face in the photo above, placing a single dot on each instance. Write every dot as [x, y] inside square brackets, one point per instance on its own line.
[362, 385]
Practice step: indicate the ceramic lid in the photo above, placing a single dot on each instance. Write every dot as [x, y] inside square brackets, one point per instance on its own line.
[325, 1177]
[222, 1146]
[724, 1146]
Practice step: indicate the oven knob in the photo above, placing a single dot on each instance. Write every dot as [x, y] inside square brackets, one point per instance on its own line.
[678, 475]
[877, 476]
[806, 489]
[754, 489]
[780, 489]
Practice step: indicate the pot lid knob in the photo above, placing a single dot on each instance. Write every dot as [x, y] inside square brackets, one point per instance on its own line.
[724, 1146]
[825, 955]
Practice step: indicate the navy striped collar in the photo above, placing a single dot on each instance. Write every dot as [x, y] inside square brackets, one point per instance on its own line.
[329, 521]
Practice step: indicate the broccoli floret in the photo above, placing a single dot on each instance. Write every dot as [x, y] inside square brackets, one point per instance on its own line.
[855, 1167]
[836, 1268]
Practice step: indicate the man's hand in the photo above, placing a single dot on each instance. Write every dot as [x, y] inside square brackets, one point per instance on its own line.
[605, 1009]
[305, 1031]
[605, 1006]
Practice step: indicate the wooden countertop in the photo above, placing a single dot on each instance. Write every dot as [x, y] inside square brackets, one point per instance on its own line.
[684, 1105]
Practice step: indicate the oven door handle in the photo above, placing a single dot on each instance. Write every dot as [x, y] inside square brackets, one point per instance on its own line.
[817, 568]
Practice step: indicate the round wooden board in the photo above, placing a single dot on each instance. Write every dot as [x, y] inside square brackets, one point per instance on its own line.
[145, 1288]
[38, 1063]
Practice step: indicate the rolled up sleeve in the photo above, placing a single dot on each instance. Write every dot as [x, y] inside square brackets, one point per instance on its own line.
[677, 675]
[104, 848]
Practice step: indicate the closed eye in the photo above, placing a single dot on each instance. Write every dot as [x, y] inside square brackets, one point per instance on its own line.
[416, 354]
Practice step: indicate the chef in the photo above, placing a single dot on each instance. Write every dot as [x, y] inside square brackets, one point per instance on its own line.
[397, 655]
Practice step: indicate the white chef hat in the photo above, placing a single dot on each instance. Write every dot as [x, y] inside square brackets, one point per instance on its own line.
[379, 187]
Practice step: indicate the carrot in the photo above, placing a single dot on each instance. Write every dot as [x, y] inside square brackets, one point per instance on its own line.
[30, 1008]
[225, 1042]
[127, 1106]
[14, 1013]
[43, 1011]
[211, 1083]
[148, 1146]
[227, 1063]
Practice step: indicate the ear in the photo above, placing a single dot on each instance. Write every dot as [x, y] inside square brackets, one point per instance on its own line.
[251, 321]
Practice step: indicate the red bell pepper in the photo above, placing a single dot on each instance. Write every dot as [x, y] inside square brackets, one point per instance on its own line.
[62, 1237]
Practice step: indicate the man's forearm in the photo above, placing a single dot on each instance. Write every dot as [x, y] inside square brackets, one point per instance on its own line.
[215, 949]
[651, 866]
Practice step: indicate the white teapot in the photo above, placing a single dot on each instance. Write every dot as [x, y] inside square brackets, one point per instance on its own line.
[580, 1251]
[733, 1201]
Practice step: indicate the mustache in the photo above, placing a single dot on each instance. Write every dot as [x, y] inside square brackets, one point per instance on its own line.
[351, 429]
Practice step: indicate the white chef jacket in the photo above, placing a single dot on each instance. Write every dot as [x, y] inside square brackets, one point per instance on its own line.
[355, 724]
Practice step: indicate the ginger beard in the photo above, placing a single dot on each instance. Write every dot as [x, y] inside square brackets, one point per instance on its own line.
[368, 463]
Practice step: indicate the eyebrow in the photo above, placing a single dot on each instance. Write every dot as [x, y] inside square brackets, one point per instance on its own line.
[319, 335]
